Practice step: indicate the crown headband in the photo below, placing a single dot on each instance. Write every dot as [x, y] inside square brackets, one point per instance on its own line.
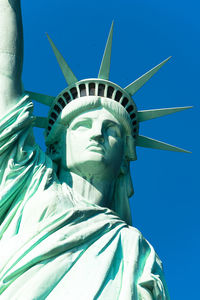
[101, 86]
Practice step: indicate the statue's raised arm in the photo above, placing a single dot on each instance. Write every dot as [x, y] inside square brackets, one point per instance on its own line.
[11, 53]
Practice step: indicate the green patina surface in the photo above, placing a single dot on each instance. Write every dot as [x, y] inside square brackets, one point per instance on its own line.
[65, 216]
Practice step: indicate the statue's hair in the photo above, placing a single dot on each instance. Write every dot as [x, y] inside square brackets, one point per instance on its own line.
[123, 185]
[123, 191]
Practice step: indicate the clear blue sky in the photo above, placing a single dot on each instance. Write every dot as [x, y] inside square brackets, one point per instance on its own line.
[166, 205]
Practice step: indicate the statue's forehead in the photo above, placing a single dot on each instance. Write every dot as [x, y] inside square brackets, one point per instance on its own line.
[97, 114]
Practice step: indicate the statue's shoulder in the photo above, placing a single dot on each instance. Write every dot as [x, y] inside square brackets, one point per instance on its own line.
[133, 232]
[133, 236]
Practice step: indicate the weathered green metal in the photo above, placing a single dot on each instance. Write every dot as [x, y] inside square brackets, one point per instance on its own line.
[41, 122]
[41, 98]
[64, 215]
[56, 227]
[97, 84]
[146, 115]
[67, 72]
[146, 142]
[138, 83]
[105, 64]
[125, 98]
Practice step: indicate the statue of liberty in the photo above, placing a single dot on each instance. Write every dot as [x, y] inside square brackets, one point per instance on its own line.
[65, 230]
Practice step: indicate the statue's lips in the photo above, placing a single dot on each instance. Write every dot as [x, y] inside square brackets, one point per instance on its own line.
[96, 148]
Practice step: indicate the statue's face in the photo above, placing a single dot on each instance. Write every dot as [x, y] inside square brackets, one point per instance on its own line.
[95, 144]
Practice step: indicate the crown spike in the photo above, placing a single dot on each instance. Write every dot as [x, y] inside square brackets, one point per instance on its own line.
[40, 122]
[41, 98]
[138, 83]
[67, 72]
[146, 142]
[146, 115]
[105, 64]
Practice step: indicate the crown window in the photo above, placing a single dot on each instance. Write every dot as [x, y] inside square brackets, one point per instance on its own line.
[130, 108]
[61, 101]
[67, 97]
[74, 92]
[110, 92]
[57, 108]
[54, 116]
[124, 101]
[92, 89]
[118, 96]
[133, 116]
[82, 89]
[101, 89]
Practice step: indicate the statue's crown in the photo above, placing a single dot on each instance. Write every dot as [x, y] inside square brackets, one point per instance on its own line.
[102, 87]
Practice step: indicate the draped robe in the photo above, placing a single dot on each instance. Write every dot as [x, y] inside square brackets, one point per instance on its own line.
[54, 244]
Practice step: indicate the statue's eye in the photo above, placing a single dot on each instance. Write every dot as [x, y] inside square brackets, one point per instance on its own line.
[113, 130]
[82, 124]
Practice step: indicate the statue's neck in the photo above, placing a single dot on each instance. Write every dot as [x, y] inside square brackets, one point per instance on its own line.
[93, 189]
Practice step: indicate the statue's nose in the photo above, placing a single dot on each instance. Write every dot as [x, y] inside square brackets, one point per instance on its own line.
[97, 133]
